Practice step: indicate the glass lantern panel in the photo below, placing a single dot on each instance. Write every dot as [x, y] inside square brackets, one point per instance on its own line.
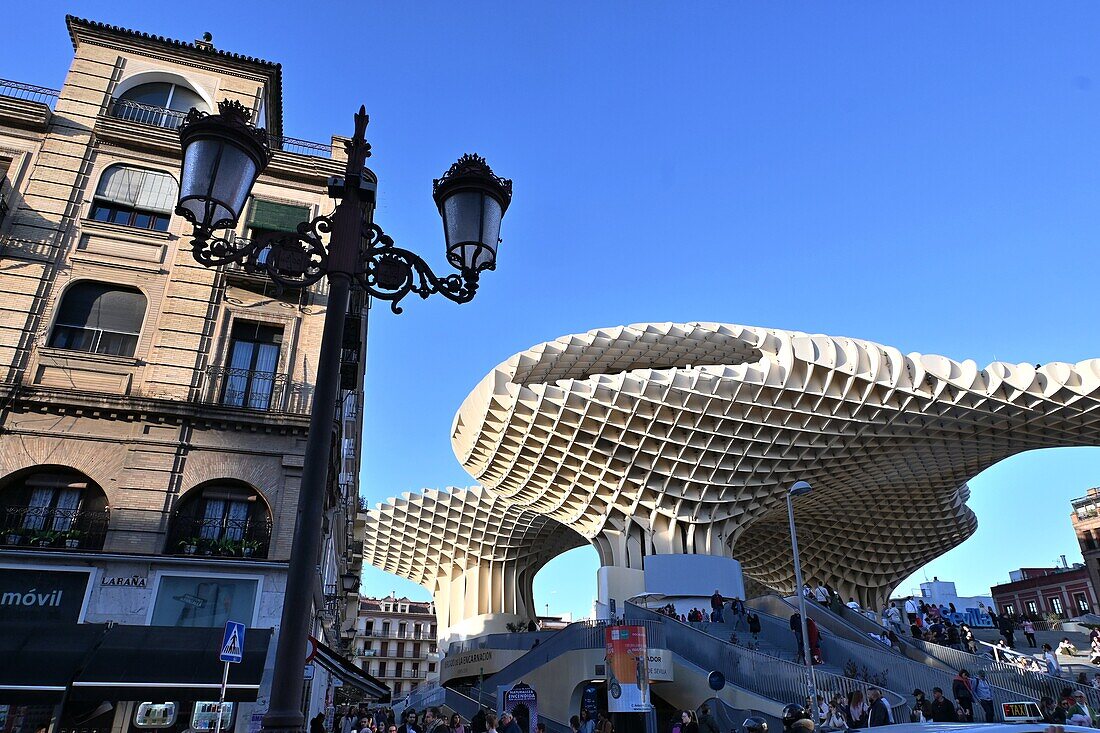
[216, 181]
[462, 218]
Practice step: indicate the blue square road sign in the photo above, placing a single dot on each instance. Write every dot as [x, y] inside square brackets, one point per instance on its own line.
[233, 642]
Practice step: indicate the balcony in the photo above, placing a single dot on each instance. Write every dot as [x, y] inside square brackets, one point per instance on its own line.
[36, 527]
[171, 119]
[255, 390]
[243, 538]
[28, 92]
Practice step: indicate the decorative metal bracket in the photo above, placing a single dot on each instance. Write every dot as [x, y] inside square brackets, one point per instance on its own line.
[390, 273]
[295, 260]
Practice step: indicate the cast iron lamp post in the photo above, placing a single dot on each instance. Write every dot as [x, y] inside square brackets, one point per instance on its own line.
[799, 488]
[223, 155]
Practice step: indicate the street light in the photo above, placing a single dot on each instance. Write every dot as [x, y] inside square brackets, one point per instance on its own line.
[223, 155]
[801, 488]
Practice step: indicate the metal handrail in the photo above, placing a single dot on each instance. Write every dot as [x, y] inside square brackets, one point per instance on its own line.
[772, 677]
[899, 672]
[29, 92]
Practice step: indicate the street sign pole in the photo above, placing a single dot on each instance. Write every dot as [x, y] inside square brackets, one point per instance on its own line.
[232, 653]
[221, 699]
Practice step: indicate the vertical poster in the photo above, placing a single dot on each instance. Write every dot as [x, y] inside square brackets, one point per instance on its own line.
[627, 670]
[522, 702]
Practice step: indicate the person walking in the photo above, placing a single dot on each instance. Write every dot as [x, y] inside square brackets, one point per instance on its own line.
[707, 723]
[1029, 632]
[688, 723]
[456, 725]
[821, 594]
[963, 693]
[856, 710]
[942, 709]
[796, 629]
[587, 724]
[1006, 627]
[317, 724]
[716, 602]
[508, 723]
[911, 610]
[892, 616]
[1053, 667]
[433, 721]
[922, 709]
[1079, 713]
[983, 693]
[878, 714]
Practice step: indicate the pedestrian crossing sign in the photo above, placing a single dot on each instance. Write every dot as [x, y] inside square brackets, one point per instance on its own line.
[233, 642]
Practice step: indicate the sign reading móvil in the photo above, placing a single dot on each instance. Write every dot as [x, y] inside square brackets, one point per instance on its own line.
[627, 669]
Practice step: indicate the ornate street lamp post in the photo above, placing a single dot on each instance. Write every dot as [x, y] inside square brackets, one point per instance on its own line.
[800, 488]
[223, 155]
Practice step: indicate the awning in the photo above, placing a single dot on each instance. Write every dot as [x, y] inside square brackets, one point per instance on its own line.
[39, 660]
[170, 663]
[344, 670]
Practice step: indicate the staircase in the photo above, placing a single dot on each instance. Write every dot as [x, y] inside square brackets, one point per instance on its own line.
[767, 671]
[1015, 683]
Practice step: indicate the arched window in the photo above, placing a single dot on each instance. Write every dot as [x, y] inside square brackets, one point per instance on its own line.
[135, 197]
[55, 508]
[224, 518]
[99, 318]
[159, 103]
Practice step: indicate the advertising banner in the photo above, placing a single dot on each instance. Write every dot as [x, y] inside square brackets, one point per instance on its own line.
[627, 669]
[522, 702]
[42, 595]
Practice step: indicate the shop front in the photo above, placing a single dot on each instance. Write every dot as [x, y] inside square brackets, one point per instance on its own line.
[99, 678]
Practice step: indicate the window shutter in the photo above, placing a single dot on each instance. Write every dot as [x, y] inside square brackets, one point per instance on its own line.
[138, 189]
[98, 305]
[274, 217]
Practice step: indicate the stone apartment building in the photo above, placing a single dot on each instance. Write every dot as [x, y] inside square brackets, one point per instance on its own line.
[397, 641]
[153, 413]
[1086, 525]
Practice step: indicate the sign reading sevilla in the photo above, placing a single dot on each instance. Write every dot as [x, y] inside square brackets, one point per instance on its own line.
[627, 669]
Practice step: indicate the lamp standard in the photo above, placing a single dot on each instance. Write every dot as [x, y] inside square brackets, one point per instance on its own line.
[223, 155]
[799, 488]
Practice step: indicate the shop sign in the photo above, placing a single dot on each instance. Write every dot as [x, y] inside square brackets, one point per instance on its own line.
[121, 581]
[41, 595]
[659, 665]
[481, 662]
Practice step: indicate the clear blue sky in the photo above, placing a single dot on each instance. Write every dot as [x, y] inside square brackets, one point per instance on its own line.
[923, 175]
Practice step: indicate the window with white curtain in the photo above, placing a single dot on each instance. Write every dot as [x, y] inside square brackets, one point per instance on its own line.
[135, 197]
[253, 359]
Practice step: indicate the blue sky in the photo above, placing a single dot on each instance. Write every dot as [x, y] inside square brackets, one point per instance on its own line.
[923, 175]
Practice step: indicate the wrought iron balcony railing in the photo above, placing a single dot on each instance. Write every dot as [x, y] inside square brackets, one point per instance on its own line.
[37, 527]
[225, 537]
[29, 92]
[255, 390]
[146, 114]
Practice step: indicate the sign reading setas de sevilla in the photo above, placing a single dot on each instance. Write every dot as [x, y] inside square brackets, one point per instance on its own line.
[41, 595]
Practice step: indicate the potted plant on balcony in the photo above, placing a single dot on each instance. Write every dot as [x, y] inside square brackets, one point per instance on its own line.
[72, 538]
[14, 536]
[190, 545]
[45, 538]
[249, 547]
[226, 547]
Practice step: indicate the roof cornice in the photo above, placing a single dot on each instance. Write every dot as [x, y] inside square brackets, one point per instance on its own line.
[82, 30]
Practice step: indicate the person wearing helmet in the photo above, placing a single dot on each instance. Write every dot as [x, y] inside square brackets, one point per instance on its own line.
[754, 725]
[796, 719]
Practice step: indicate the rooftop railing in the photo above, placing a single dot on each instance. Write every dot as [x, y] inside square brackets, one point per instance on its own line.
[29, 92]
[170, 119]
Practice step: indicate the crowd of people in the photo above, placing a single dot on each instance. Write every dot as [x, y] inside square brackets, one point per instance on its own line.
[359, 719]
